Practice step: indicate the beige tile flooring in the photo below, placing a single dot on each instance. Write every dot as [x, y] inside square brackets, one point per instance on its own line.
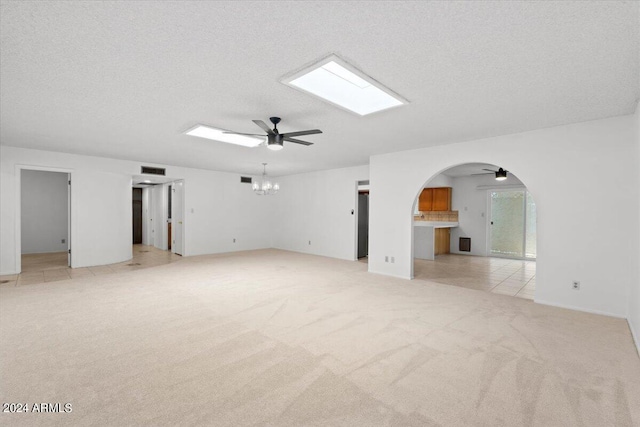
[498, 275]
[52, 267]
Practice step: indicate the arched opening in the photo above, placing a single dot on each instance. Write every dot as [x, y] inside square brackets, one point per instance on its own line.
[474, 226]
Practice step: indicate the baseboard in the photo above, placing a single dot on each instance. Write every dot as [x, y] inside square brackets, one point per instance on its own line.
[397, 276]
[635, 336]
[585, 310]
[2, 273]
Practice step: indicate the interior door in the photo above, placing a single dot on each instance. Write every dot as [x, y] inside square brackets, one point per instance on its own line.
[69, 220]
[363, 225]
[169, 221]
[159, 215]
[177, 213]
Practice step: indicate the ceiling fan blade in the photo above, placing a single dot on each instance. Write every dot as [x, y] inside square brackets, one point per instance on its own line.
[489, 170]
[264, 127]
[240, 133]
[302, 132]
[488, 173]
[297, 141]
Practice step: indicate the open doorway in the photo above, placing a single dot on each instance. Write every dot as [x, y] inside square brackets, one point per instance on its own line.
[45, 220]
[475, 227]
[157, 215]
[362, 221]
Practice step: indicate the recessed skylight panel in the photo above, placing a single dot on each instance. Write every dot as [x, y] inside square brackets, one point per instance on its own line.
[214, 134]
[339, 83]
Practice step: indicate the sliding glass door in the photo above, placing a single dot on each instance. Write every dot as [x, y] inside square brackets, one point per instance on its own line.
[512, 224]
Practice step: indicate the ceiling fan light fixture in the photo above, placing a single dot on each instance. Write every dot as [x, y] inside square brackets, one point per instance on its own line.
[275, 142]
[501, 174]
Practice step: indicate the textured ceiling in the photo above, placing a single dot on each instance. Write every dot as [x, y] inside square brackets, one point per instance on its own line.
[125, 79]
[468, 169]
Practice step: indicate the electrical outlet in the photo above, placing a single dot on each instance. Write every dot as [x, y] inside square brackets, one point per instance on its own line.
[309, 241]
[576, 285]
[234, 240]
[63, 241]
[386, 258]
[393, 260]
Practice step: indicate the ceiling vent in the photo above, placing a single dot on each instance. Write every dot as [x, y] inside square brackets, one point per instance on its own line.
[153, 171]
[245, 179]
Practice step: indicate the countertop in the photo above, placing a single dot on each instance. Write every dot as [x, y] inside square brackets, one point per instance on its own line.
[435, 224]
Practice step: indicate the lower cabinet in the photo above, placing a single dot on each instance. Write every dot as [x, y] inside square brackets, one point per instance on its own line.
[442, 241]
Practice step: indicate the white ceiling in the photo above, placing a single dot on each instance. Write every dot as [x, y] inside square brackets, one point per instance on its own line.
[469, 169]
[124, 79]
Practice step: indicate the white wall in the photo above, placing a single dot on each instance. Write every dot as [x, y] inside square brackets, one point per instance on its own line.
[218, 208]
[587, 225]
[317, 207]
[100, 206]
[634, 298]
[44, 207]
[473, 210]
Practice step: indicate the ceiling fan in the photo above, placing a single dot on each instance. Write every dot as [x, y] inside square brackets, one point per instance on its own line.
[275, 139]
[501, 174]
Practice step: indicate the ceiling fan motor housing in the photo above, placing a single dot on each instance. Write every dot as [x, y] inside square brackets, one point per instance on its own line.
[275, 141]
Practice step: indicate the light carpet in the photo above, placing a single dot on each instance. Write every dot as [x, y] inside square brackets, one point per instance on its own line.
[276, 338]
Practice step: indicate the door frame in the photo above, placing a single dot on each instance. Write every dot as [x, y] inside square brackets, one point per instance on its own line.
[18, 211]
[174, 227]
[358, 186]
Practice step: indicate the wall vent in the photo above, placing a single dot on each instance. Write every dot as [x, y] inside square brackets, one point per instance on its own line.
[465, 244]
[365, 182]
[245, 179]
[153, 171]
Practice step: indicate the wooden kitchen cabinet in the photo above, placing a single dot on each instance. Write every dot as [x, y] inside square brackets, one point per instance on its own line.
[442, 241]
[425, 202]
[435, 199]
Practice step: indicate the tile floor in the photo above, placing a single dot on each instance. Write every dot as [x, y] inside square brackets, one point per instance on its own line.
[52, 267]
[498, 275]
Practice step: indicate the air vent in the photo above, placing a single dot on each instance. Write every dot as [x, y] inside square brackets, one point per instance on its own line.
[465, 244]
[366, 182]
[153, 171]
[245, 179]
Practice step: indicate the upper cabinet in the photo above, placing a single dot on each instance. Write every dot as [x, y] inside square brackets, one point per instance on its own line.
[425, 202]
[435, 199]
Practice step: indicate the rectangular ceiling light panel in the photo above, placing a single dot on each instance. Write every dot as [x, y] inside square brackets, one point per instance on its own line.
[214, 134]
[341, 84]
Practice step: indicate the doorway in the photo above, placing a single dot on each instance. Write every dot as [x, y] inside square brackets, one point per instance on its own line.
[158, 215]
[45, 219]
[498, 258]
[512, 232]
[363, 224]
[137, 215]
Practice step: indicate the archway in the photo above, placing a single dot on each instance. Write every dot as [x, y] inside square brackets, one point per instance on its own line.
[474, 226]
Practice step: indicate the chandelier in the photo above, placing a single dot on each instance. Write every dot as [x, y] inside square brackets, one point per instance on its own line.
[265, 188]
